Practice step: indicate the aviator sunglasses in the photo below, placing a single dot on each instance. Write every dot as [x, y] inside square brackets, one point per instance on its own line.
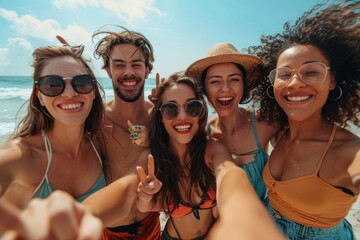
[53, 85]
[171, 110]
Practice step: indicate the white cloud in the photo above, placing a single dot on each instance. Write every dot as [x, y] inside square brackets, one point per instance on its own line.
[73, 4]
[75, 35]
[19, 42]
[28, 25]
[4, 57]
[8, 15]
[16, 57]
[131, 11]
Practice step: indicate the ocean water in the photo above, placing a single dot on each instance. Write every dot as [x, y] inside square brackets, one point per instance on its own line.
[15, 92]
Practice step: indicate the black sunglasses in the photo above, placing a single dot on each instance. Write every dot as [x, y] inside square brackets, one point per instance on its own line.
[53, 85]
[170, 110]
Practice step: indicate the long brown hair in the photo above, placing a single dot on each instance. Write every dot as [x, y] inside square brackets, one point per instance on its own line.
[37, 117]
[168, 167]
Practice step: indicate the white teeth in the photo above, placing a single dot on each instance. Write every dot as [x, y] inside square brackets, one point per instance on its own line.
[225, 98]
[70, 106]
[298, 99]
[129, 83]
[182, 127]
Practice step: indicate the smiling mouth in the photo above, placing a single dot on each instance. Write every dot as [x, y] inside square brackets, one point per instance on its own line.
[70, 106]
[129, 83]
[225, 101]
[297, 99]
[183, 128]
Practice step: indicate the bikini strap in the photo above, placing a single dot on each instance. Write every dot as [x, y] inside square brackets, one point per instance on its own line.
[280, 135]
[93, 145]
[48, 152]
[252, 122]
[168, 212]
[328, 145]
[177, 233]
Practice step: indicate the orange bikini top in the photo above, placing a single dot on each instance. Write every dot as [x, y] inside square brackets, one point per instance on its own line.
[309, 200]
[208, 200]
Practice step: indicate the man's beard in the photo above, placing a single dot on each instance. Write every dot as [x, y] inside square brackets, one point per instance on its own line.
[129, 98]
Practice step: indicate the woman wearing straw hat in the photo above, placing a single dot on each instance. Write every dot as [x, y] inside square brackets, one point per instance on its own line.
[227, 78]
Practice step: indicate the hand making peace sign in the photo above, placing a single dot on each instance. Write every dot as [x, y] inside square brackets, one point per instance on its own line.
[149, 184]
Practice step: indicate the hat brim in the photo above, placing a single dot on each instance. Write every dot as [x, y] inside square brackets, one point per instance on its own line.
[248, 62]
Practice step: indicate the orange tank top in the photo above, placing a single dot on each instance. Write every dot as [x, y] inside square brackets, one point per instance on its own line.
[309, 200]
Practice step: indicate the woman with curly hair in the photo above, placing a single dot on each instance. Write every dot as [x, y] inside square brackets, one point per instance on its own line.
[312, 92]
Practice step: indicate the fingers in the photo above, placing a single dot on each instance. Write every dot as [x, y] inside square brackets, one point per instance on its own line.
[157, 80]
[64, 217]
[62, 40]
[135, 128]
[10, 219]
[138, 134]
[91, 228]
[57, 217]
[142, 175]
[151, 167]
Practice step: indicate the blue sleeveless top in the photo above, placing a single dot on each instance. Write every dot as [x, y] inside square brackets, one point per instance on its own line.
[254, 169]
[44, 189]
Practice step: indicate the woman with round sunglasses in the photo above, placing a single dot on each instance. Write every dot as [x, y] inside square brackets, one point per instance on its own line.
[227, 78]
[51, 149]
[312, 91]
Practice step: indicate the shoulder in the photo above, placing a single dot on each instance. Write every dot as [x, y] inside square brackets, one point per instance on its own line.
[264, 130]
[215, 149]
[17, 153]
[211, 126]
[346, 146]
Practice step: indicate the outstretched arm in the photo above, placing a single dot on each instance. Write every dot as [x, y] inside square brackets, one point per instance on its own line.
[241, 213]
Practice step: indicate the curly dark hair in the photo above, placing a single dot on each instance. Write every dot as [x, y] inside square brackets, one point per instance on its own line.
[37, 117]
[105, 45]
[168, 167]
[332, 28]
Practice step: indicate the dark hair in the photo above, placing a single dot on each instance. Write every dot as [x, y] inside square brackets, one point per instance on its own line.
[105, 45]
[37, 117]
[334, 30]
[168, 168]
[247, 83]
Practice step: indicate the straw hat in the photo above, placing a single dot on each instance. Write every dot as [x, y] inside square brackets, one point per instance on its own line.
[223, 53]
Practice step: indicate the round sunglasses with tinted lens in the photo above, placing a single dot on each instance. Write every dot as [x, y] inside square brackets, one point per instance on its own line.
[170, 110]
[313, 73]
[53, 85]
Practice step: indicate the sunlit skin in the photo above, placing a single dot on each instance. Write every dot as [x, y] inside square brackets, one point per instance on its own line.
[183, 128]
[70, 107]
[128, 72]
[224, 87]
[308, 130]
[298, 99]
[25, 159]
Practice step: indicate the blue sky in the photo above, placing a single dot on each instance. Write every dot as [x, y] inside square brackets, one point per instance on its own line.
[181, 31]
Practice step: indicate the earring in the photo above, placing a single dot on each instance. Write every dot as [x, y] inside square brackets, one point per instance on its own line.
[340, 94]
[267, 92]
